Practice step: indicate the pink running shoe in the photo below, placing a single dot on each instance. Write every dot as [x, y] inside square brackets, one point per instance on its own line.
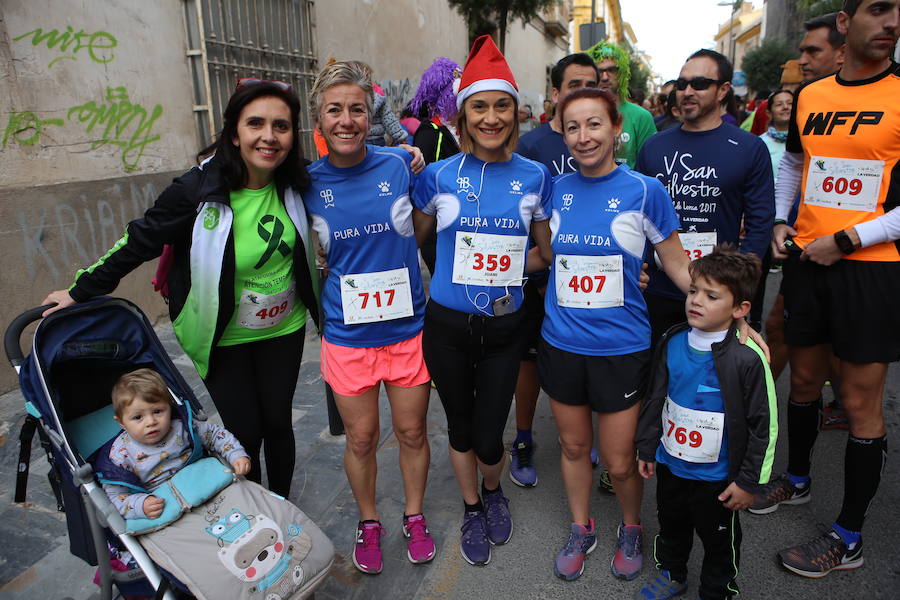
[367, 552]
[419, 544]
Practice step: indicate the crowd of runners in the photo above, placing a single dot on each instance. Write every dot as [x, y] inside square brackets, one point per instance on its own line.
[612, 266]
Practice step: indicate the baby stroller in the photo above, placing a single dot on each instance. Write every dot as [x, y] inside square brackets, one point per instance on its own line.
[223, 537]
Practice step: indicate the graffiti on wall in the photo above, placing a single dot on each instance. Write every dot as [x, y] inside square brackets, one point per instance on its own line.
[122, 123]
[98, 45]
[114, 121]
[82, 234]
[398, 92]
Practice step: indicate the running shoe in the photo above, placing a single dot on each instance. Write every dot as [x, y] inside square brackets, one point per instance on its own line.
[661, 587]
[499, 521]
[822, 555]
[521, 469]
[833, 418]
[570, 560]
[595, 457]
[474, 543]
[779, 491]
[419, 543]
[604, 482]
[367, 552]
[629, 557]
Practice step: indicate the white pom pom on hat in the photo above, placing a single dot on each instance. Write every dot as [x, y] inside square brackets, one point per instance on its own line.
[486, 70]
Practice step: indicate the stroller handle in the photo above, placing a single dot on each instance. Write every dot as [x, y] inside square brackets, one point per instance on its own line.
[14, 331]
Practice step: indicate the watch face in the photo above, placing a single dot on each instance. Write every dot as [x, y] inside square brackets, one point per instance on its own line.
[844, 243]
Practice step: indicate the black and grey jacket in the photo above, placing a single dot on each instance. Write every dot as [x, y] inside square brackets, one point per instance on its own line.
[751, 411]
[194, 215]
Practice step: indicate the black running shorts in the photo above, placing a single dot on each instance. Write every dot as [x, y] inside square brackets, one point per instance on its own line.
[853, 305]
[607, 384]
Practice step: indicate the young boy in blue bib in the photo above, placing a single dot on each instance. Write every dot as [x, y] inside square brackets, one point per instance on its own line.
[710, 422]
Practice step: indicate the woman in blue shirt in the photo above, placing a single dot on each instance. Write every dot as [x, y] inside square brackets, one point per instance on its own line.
[595, 353]
[483, 202]
[373, 303]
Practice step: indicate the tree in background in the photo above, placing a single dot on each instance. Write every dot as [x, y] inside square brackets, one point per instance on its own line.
[640, 77]
[762, 65]
[815, 8]
[485, 16]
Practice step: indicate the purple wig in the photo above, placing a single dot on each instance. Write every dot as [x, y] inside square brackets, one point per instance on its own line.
[435, 92]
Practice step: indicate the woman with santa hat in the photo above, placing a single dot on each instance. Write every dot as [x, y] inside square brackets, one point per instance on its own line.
[483, 203]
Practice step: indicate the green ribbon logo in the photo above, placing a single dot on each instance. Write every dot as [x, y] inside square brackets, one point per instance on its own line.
[273, 239]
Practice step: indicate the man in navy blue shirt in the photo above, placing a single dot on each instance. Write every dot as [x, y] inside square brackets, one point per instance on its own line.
[545, 144]
[719, 177]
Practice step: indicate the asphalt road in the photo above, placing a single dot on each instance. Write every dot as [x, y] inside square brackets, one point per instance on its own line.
[35, 563]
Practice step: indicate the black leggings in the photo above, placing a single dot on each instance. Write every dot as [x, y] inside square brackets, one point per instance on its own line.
[474, 362]
[252, 386]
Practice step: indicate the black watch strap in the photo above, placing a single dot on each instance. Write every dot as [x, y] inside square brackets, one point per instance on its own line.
[844, 243]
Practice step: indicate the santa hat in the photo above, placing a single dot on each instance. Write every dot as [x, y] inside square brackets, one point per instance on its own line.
[486, 71]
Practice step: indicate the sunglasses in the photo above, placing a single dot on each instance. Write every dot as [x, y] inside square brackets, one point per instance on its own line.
[248, 81]
[611, 70]
[698, 83]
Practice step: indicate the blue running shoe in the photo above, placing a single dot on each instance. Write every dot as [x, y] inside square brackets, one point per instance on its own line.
[661, 587]
[521, 469]
[629, 557]
[499, 521]
[595, 457]
[474, 544]
[570, 560]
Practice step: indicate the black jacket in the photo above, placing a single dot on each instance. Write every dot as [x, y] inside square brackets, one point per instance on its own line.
[751, 417]
[435, 141]
[170, 221]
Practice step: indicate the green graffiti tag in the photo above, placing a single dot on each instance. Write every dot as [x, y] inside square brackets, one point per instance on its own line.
[26, 128]
[98, 44]
[124, 124]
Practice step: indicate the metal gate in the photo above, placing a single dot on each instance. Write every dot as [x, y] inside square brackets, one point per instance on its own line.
[268, 39]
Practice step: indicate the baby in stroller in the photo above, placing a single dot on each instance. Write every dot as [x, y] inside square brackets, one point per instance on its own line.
[215, 535]
[154, 446]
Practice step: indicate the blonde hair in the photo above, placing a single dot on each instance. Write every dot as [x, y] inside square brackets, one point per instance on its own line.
[145, 384]
[466, 144]
[335, 73]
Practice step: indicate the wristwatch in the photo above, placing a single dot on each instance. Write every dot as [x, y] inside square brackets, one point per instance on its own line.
[844, 243]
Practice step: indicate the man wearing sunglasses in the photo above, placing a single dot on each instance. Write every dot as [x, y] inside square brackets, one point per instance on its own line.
[718, 175]
[842, 271]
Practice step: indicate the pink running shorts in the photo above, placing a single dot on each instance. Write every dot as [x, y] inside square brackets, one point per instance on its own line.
[354, 371]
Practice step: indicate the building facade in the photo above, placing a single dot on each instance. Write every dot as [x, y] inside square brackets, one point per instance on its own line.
[104, 103]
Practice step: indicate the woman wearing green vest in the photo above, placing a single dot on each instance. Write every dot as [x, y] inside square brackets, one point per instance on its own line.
[240, 285]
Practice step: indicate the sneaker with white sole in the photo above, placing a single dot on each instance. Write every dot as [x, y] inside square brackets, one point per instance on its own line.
[821, 555]
[779, 491]
[628, 560]
[496, 514]
[474, 544]
[367, 551]
[521, 469]
[419, 543]
[569, 563]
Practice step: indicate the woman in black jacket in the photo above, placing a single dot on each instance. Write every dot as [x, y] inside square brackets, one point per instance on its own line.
[241, 284]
